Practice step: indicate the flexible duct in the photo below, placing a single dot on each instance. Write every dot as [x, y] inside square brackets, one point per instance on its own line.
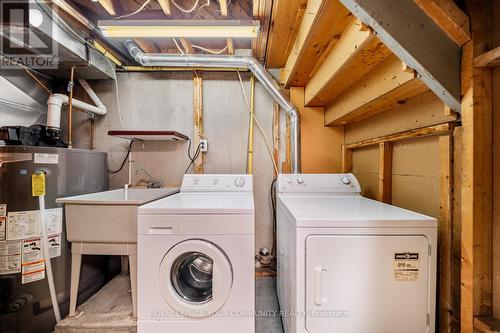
[228, 61]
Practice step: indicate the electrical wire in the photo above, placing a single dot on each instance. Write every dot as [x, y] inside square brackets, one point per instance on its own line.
[178, 46]
[194, 157]
[261, 130]
[111, 172]
[208, 50]
[136, 12]
[197, 2]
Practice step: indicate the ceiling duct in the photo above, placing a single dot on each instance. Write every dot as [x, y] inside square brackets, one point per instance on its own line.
[69, 47]
[229, 61]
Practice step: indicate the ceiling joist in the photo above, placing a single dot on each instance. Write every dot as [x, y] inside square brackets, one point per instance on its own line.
[412, 36]
[387, 86]
[322, 24]
[286, 18]
[165, 6]
[356, 53]
[109, 6]
[223, 7]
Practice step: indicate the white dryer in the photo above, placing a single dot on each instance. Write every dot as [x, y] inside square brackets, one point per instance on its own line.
[350, 264]
[196, 258]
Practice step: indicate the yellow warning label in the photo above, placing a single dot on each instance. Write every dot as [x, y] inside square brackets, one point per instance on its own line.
[38, 184]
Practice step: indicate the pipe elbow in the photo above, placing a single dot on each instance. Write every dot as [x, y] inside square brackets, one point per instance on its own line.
[57, 100]
[134, 50]
[252, 64]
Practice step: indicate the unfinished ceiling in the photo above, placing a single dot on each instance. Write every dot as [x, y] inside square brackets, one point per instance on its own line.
[349, 60]
[241, 10]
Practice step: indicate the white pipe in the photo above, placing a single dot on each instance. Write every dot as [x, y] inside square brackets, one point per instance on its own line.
[46, 256]
[56, 101]
[93, 96]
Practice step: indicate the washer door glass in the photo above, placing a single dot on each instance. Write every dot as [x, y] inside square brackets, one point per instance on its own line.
[192, 275]
[195, 278]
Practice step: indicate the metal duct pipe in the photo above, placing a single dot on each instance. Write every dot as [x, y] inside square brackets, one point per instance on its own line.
[228, 61]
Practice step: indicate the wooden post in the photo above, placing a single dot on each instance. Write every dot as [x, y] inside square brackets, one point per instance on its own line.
[198, 120]
[286, 166]
[346, 159]
[385, 172]
[445, 233]
[276, 133]
[477, 174]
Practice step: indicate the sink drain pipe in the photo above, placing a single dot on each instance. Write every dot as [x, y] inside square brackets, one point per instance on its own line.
[229, 61]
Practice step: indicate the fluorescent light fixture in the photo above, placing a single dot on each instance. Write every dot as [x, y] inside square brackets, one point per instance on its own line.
[179, 28]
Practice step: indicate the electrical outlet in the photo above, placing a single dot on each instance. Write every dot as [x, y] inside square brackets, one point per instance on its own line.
[204, 145]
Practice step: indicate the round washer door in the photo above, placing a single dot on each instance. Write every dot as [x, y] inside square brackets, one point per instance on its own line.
[195, 278]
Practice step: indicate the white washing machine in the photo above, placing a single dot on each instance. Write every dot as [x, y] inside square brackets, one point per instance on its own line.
[350, 264]
[196, 258]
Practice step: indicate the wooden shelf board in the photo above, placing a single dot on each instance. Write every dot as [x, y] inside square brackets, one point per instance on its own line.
[146, 135]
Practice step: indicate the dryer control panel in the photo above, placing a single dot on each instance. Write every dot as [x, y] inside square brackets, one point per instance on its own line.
[217, 183]
[318, 183]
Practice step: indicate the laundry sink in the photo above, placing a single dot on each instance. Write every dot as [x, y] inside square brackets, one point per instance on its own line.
[109, 216]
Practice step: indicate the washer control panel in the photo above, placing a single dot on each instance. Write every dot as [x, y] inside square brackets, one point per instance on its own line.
[318, 183]
[217, 183]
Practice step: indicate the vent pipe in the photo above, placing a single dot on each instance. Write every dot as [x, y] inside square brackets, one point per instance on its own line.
[228, 61]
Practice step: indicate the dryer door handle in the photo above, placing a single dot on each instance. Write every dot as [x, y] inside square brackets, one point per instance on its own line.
[319, 273]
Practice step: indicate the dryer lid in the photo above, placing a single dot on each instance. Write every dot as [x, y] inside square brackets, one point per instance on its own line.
[326, 210]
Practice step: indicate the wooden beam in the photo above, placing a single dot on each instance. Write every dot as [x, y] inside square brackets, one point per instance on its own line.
[386, 87]
[449, 17]
[286, 166]
[356, 53]
[261, 10]
[186, 45]
[230, 45]
[487, 324]
[223, 7]
[385, 172]
[415, 39]
[322, 25]
[346, 159]
[477, 174]
[199, 132]
[165, 6]
[286, 18]
[146, 45]
[488, 59]
[445, 234]
[109, 6]
[441, 129]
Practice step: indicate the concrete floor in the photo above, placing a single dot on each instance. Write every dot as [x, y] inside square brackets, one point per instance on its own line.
[110, 310]
[267, 318]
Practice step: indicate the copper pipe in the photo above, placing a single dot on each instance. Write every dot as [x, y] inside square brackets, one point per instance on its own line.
[70, 113]
[92, 132]
[37, 80]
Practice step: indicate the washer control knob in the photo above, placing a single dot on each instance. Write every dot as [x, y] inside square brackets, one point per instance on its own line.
[300, 181]
[196, 181]
[239, 182]
[345, 180]
[215, 181]
[289, 180]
